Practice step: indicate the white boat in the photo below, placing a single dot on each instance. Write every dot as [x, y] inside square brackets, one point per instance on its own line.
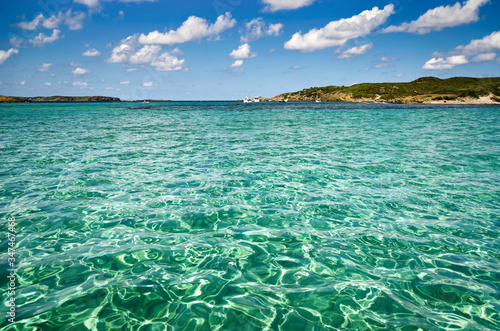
[247, 100]
[256, 99]
[145, 101]
[318, 100]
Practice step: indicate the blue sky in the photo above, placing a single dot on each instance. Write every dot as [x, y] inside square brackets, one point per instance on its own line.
[228, 49]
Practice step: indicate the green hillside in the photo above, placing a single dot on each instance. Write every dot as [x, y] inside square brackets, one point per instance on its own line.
[420, 90]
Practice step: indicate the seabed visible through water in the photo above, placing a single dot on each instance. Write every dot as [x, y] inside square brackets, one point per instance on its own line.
[224, 216]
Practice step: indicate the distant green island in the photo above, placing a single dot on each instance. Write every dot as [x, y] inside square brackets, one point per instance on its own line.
[56, 98]
[422, 90]
[60, 98]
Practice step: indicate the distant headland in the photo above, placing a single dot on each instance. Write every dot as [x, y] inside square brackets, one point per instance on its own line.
[429, 90]
[56, 98]
[60, 98]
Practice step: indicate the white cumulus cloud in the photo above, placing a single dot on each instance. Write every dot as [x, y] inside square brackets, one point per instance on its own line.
[52, 22]
[487, 44]
[445, 63]
[131, 52]
[124, 50]
[337, 33]
[126, 82]
[74, 21]
[275, 5]
[32, 25]
[48, 84]
[484, 57]
[4, 55]
[482, 49]
[388, 59]
[80, 84]
[353, 52]
[442, 17]
[194, 28]
[237, 63]
[168, 62]
[97, 3]
[89, 3]
[91, 52]
[16, 42]
[148, 84]
[177, 52]
[42, 39]
[80, 71]
[257, 28]
[145, 55]
[243, 52]
[44, 67]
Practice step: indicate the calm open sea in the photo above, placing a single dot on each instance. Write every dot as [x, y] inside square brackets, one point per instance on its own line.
[225, 216]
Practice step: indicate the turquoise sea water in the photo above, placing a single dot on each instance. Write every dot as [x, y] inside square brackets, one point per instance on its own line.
[224, 216]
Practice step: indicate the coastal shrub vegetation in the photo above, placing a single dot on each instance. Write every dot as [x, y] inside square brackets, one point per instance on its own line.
[440, 89]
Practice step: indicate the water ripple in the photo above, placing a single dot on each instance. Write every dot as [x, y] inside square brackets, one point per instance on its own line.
[223, 216]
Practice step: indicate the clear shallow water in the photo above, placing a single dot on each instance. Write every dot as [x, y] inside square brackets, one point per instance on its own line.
[223, 216]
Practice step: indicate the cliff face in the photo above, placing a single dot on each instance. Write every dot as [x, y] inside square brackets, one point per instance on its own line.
[422, 90]
[58, 98]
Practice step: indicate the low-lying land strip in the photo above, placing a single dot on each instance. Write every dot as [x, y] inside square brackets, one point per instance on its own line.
[56, 98]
